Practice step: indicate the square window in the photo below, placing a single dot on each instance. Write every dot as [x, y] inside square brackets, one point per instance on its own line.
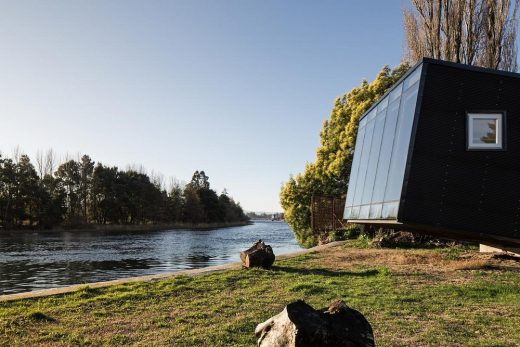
[485, 131]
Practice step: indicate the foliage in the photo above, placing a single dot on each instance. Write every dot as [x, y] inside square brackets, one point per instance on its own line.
[329, 173]
[410, 297]
[351, 231]
[82, 192]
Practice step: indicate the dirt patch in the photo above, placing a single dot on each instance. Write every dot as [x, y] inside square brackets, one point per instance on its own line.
[424, 261]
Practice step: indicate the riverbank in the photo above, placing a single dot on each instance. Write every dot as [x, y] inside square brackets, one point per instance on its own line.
[429, 297]
[132, 227]
[149, 278]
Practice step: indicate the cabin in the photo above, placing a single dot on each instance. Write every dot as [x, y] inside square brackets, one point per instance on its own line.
[439, 153]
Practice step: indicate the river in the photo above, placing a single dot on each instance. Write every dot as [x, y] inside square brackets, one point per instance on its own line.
[31, 261]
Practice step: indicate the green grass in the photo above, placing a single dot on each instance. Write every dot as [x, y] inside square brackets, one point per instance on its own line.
[406, 303]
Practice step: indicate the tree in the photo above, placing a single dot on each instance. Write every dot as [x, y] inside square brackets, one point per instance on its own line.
[232, 210]
[8, 188]
[106, 207]
[199, 180]
[474, 32]
[193, 210]
[52, 202]
[86, 169]
[49, 162]
[175, 203]
[213, 211]
[81, 192]
[329, 173]
[29, 189]
[69, 177]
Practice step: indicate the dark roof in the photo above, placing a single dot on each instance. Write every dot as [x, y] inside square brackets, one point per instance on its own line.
[442, 63]
[470, 67]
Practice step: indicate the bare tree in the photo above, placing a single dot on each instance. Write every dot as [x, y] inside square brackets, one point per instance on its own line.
[40, 163]
[139, 168]
[50, 162]
[157, 179]
[414, 36]
[172, 183]
[471, 31]
[475, 32]
[17, 153]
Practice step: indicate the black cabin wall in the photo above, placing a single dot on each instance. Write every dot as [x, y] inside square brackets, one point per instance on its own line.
[449, 187]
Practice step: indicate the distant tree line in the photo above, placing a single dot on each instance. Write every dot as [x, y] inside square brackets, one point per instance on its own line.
[264, 216]
[80, 192]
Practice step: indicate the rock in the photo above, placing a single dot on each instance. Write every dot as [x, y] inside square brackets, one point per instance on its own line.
[259, 255]
[299, 325]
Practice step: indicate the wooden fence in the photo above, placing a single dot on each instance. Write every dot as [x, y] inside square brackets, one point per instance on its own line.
[326, 213]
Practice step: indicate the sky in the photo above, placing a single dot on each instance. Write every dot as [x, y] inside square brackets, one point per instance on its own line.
[237, 88]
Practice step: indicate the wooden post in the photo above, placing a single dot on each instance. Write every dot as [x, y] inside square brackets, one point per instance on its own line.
[312, 214]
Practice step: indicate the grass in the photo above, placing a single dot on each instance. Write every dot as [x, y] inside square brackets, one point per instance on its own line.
[419, 297]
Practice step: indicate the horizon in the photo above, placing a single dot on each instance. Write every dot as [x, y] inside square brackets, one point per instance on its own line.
[239, 90]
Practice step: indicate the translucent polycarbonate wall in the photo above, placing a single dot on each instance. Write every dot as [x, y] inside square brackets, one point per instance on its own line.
[380, 154]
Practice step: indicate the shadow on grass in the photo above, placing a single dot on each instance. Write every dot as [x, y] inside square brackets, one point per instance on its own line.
[325, 272]
[38, 316]
[405, 245]
[506, 256]
[443, 245]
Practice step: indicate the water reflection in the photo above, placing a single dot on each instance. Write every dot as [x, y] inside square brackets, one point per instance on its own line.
[30, 261]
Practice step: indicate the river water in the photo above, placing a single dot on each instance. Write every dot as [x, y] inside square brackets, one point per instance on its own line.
[31, 261]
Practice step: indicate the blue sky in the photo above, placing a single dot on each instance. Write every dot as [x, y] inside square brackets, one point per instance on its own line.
[238, 88]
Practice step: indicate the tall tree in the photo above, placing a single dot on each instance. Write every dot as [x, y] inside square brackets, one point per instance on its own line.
[199, 180]
[49, 162]
[175, 203]
[86, 169]
[52, 202]
[107, 208]
[8, 190]
[193, 210]
[329, 173]
[69, 176]
[27, 192]
[474, 32]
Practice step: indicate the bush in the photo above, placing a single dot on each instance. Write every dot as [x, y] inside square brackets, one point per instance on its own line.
[329, 173]
[352, 231]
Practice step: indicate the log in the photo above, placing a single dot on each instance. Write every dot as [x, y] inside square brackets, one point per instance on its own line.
[299, 325]
[258, 255]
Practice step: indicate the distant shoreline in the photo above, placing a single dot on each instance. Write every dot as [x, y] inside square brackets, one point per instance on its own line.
[130, 228]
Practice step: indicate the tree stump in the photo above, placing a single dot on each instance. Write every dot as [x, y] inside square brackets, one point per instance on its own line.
[299, 325]
[259, 255]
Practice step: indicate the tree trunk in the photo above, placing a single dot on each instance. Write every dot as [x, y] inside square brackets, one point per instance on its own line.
[259, 255]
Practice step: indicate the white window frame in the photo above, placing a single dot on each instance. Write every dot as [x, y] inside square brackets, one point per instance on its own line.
[499, 118]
